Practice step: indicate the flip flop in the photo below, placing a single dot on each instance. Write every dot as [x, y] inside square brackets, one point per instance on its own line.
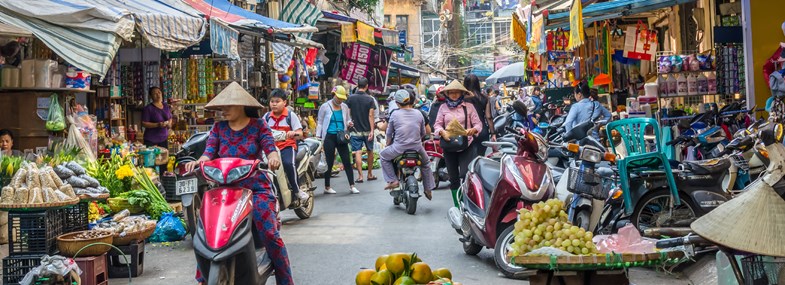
[392, 186]
[359, 180]
[372, 178]
[428, 195]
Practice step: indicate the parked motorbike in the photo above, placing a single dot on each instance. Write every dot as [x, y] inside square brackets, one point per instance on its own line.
[190, 187]
[286, 197]
[227, 247]
[409, 191]
[438, 166]
[493, 192]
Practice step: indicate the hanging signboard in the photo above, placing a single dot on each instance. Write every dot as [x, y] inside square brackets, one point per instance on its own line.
[365, 33]
[640, 42]
[576, 25]
[348, 33]
[363, 61]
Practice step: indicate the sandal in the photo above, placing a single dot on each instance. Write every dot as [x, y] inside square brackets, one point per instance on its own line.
[359, 180]
[372, 178]
[392, 186]
[428, 194]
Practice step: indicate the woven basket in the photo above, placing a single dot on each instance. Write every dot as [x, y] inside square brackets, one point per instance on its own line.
[39, 205]
[69, 246]
[130, 237]
[119, 204]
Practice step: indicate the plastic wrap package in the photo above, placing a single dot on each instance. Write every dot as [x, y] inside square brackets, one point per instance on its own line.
[27, 73]
[86, 124]
[628, 240]
[52, 266]
[10, 77]
[55, 120]
[44, 69]
[76, 137]
[76, 78]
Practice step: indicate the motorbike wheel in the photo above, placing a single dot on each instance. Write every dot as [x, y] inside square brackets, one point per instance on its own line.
[471, 248]
[501, 253]
[652, 210]
[306, 209]
[582, 219]
[191, 213]
[411, 188]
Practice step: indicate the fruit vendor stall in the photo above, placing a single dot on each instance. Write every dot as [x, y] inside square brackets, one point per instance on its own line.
[553, 251]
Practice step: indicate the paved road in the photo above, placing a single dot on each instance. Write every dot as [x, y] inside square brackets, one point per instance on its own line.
[348, 232]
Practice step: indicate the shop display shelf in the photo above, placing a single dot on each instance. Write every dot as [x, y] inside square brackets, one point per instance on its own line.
[36, 89]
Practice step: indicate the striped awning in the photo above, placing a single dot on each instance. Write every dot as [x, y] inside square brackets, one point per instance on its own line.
[240, 18]
[297, 12]
[164, 26]
[84, 34]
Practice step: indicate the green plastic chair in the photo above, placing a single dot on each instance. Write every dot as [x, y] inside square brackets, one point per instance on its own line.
[632, 133]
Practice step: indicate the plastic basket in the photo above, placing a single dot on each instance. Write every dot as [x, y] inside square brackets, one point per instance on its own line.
[16, 267]
[170, 187]
[762, 270]
[75, 217]
[32, 233]
[588, 183]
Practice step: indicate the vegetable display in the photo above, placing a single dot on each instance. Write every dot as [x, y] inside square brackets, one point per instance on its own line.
[74, 175]
[33, 186]
[157, 204]
[123, 224]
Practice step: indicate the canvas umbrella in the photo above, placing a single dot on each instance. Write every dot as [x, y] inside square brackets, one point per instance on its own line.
[511, 73]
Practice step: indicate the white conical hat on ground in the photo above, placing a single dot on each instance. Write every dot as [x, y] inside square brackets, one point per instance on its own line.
[753, 222]
[233, 95]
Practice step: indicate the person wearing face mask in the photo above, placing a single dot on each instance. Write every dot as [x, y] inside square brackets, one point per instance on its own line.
[243, 137]
[455, 108]
[334, 120]
[156, 120]
[7, 144]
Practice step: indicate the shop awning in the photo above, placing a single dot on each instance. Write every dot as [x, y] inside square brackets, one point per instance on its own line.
[243, 19]
[610, 10]
[13, 31]
[164, 26]
[84, 34]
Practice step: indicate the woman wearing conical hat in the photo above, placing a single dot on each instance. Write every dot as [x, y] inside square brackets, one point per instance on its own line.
[249, 138]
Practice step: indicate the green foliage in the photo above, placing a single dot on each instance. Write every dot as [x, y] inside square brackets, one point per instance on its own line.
[366, 6]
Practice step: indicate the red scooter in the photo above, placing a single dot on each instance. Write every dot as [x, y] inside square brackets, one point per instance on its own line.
[436, 155]
[493, 192]
[226, 242]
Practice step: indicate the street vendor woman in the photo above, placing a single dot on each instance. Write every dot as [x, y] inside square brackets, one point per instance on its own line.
[7, 143]
[156, 119]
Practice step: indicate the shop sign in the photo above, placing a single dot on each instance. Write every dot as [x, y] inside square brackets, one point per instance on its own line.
[365, 33]
[348, 33]
[371, 62]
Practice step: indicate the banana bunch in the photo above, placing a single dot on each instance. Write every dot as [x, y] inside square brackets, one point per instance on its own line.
[8, 167]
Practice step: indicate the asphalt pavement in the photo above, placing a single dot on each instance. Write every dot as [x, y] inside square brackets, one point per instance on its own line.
[347, 232]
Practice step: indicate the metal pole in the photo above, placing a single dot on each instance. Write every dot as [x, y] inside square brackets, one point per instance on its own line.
[493, 32]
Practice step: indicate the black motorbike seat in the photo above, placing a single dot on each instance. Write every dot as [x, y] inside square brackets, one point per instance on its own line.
[489, 172]
[312, 146]
[705, 167]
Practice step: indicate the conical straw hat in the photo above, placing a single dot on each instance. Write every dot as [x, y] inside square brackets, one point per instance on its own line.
[233, 95]
[455, 85]
[753, 222]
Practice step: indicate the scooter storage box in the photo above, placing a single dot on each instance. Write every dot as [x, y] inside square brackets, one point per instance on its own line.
[118, 266]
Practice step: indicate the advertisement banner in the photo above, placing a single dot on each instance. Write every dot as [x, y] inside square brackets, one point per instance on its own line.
[348, 33]
[365, 33]
[576, 25]
[361, 60]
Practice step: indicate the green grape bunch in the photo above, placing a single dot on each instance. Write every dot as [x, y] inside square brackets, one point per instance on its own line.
[546, 225]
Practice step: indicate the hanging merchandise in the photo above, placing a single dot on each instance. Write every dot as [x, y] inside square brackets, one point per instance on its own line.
[348, 33]
[681, 82]
[640, 42]
[55, 120]
[692, 84]
[576, 25]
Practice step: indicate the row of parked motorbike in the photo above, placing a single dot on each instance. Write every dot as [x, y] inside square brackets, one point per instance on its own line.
[530, 166]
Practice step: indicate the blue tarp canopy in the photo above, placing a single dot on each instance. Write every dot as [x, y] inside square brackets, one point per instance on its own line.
[610, 10]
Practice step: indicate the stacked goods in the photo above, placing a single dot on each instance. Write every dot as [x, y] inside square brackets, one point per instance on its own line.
[403, 269]
[82, 183]
[123, 224]
[34, 187]
[546, 225]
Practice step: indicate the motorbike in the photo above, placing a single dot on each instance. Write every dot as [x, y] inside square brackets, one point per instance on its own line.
[228, 249]
[436, 156]
[493, 192]
[409, 191]
[190, 187]
[286, 197]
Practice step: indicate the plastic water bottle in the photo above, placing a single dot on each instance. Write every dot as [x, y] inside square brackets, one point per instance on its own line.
[681, 83]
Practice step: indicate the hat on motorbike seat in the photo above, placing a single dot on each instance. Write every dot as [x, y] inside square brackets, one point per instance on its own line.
[233, 95]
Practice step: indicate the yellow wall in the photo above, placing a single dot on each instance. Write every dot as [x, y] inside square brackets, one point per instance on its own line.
[412, 9]
[764, 23]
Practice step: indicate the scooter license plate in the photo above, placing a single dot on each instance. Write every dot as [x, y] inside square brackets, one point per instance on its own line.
[186, 186]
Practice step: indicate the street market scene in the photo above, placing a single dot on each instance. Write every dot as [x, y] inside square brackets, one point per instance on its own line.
[392, 142]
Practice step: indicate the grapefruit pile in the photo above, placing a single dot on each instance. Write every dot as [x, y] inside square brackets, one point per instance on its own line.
[403, 269]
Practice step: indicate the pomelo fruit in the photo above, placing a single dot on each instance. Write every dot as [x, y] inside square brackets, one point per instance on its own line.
[395, 262]
[442, 273]
[380, 261]
[383, 277]
[421, 273]
[364, 277]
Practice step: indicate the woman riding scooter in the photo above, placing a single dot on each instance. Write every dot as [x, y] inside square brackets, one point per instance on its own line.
[248, 138]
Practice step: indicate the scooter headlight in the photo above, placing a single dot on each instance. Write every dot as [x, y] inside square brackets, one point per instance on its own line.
[237, 173]
[591, 155]
[214, 174]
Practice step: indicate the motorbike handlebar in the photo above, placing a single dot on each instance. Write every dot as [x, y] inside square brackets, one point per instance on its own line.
[674, 242]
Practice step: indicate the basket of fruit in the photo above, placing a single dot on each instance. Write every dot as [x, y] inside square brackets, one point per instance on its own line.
[69, 244]
[403, 268]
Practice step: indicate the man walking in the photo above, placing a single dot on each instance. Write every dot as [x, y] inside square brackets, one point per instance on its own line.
[362, 108]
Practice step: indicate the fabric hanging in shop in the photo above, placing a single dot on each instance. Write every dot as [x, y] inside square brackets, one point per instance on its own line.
[297, 12]
[518, 32]
[537, 34]
[85, 35]
[527, 17]
[576, 25]
[239, 18]
[372, 62]
[163, 26]
[542, 46]
[365, 33]
[348, 33]
[223, 39]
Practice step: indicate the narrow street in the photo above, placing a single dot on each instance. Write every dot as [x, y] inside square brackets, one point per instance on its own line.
[348, 232]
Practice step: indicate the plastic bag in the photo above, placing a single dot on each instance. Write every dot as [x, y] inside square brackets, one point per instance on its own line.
[321, 167]
[77, 140]
[169, 228]
[55, 121]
